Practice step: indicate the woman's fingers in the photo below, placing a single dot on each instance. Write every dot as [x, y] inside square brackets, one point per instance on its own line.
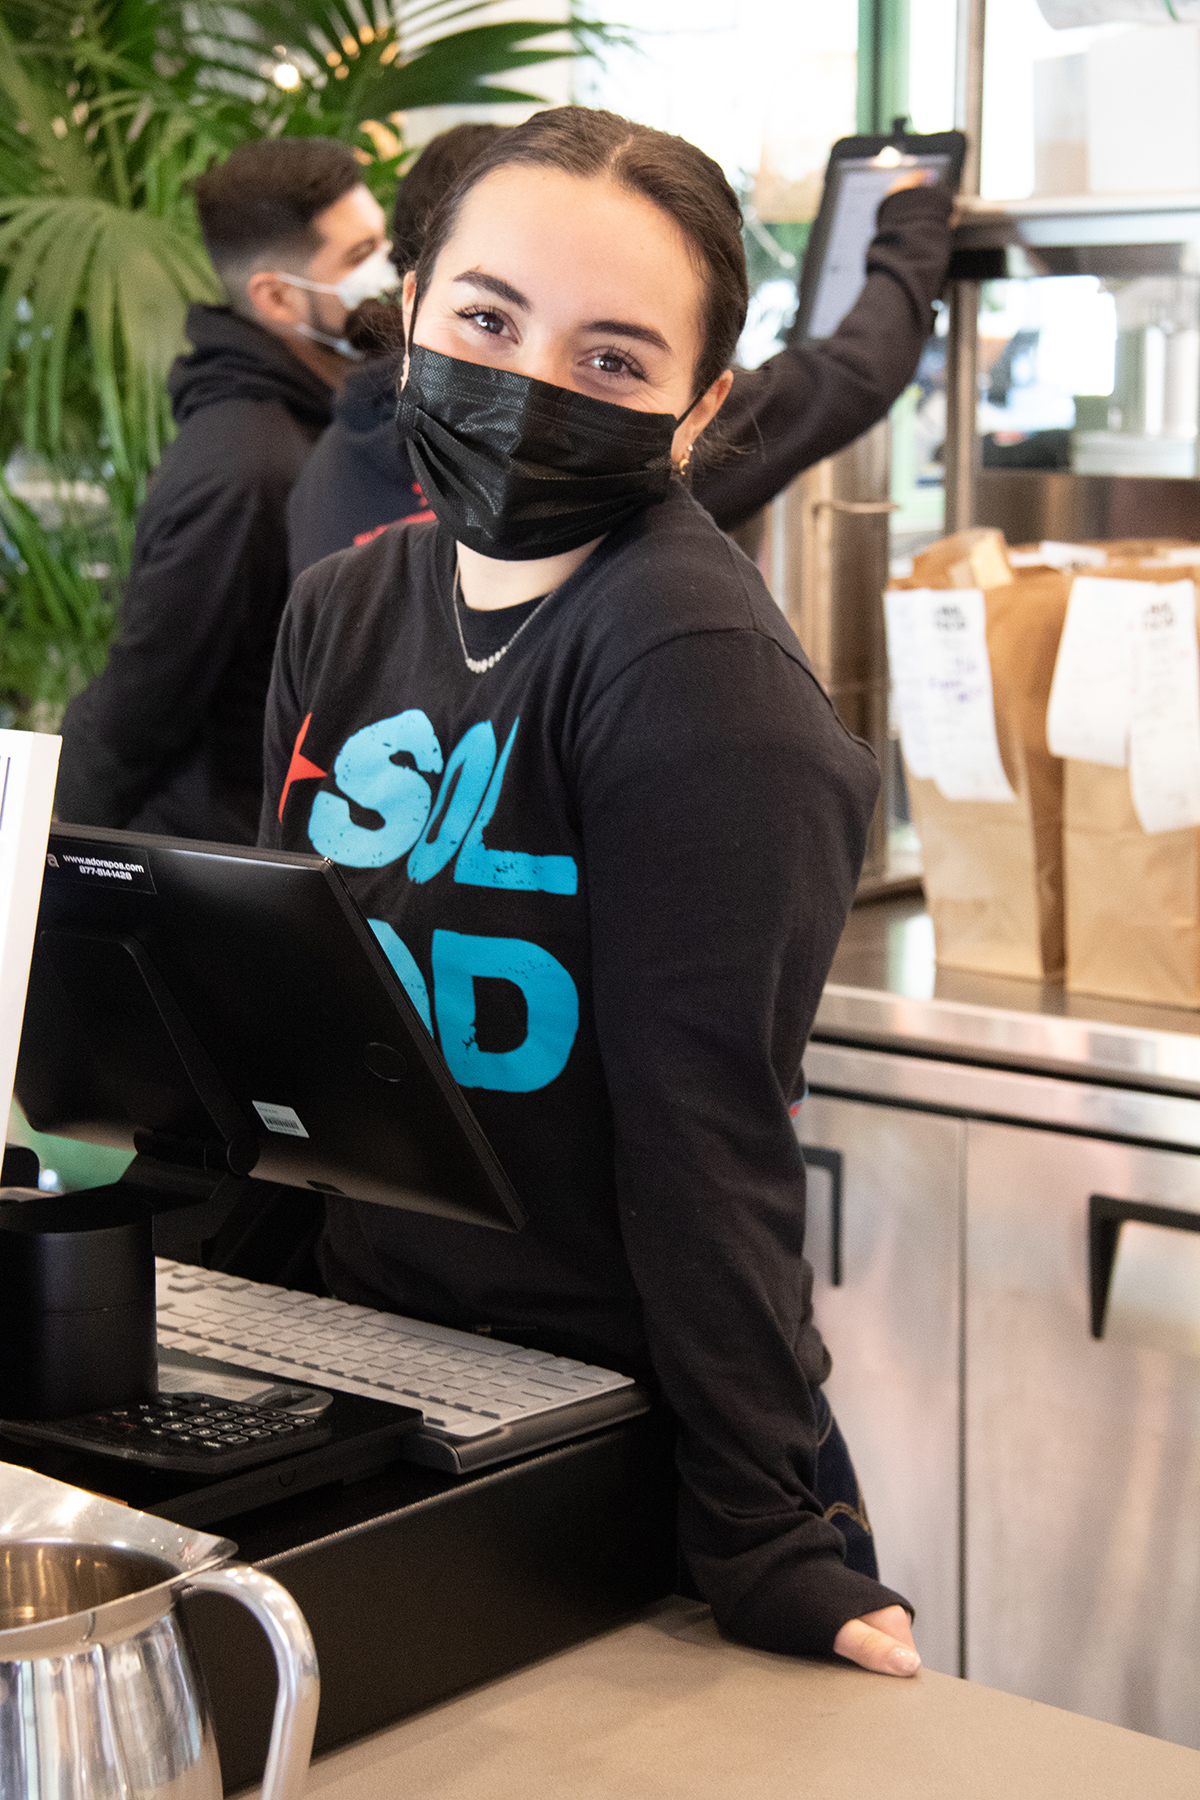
[912, 178]
[880, 1641]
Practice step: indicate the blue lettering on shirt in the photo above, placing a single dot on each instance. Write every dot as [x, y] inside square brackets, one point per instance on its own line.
[438, 832]
[463, 786]
[365, 771]
[481, 867]
[405, 965]
[551, 1004]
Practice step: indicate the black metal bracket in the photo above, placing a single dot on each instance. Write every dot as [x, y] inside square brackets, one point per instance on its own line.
[831, 1162]
[1105, 1219]
[21, 1167]
[977, 263]
[171, 1059]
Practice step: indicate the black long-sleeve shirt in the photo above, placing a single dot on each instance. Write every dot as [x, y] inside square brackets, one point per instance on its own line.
[817, 396]
[611, 872]
[811, 399]
[169, 737]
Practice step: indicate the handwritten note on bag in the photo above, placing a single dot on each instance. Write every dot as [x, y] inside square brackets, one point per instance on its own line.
[937, 650]
[1126, 692]
[1164, 729]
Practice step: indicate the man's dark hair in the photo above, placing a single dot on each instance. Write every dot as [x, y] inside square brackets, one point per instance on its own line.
[257, 208]
[440, 166]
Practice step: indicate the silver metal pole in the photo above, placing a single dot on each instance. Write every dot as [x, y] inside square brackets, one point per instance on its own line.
[968, 84]
[961, 455]
[962, 346]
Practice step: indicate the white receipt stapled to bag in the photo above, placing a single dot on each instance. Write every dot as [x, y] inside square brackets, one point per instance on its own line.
[1126, 692]
[1091, 695]
[1050, 554]
[1164, 726]
[903, 610]
[942, 680]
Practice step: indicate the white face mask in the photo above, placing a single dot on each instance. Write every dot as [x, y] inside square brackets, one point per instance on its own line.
[367, 280]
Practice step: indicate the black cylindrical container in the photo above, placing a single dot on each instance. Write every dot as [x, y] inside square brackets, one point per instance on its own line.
[77, 1322]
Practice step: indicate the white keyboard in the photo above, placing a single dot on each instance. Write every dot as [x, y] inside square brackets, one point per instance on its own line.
[482, 1400]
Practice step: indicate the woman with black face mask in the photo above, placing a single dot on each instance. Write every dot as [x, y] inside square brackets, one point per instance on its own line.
[607, 827]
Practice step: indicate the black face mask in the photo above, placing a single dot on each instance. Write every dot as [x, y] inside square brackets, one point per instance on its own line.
[518, 469]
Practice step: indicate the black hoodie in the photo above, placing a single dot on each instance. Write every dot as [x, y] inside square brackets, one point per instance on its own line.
[810, 400]
[818, 395]
[363, 482]
[169, 737]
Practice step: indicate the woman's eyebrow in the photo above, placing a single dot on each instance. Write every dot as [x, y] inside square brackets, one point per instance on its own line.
[503, 290]
[645, 334]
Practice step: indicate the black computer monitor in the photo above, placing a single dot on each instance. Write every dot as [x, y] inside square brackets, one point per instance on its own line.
[231, 1009]
[861, 171]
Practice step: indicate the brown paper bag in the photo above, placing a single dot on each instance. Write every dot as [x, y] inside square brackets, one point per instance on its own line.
[1115, 550]
[970, 559]
[1132, 897]
[993, 868]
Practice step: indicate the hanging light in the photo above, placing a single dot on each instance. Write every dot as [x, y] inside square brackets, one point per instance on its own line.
[286, 75]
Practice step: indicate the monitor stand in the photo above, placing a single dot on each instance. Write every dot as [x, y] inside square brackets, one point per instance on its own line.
[195, 1146]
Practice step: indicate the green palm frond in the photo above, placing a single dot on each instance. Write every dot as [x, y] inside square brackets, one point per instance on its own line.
[37, 113]
[460, 69]
[57, 607]
[359, 62]
[113, 108]
[109, 109]
[126, 278]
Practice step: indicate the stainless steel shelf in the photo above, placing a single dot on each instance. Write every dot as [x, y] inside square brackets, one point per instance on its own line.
[886, 993]
[1011, 1097]
[1073, 1048]
[1074, 221]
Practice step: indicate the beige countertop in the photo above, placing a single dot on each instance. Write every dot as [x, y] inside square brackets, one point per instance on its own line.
[664, 1709]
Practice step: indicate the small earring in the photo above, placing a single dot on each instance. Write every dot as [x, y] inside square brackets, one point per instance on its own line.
[681, 467]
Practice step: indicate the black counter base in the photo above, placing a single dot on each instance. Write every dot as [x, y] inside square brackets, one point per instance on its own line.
[417, 1585]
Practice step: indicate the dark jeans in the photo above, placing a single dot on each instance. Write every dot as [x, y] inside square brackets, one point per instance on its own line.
[837, 1490]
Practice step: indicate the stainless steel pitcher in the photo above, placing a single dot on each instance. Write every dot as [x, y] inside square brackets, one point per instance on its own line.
[99, 1699]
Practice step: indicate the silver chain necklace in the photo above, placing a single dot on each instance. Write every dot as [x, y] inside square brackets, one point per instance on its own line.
[481, 665]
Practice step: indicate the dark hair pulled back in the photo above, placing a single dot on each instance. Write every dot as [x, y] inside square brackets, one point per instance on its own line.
[442, 163]
[688, 186]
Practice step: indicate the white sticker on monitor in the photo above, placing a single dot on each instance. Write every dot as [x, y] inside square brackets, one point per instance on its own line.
[283, 1119]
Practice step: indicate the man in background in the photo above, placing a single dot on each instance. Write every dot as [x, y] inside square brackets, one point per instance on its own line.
[359, 480]
[169, 738]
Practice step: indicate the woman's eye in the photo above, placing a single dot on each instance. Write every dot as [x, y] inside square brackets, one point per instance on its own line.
[611, 362]
[487, 321]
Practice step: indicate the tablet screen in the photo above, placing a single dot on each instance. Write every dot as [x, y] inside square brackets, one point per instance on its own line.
[859, 184]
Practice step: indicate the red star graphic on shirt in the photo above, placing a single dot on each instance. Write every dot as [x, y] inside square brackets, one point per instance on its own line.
[416, 518]
[299, 769]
